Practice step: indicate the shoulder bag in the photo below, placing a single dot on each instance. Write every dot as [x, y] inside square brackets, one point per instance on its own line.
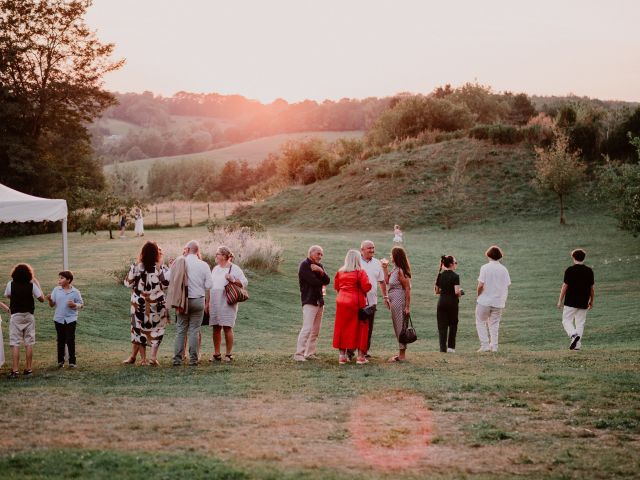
[234, 293]
[408, 333]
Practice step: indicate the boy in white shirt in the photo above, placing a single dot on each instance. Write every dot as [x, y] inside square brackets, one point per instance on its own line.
[493, 287]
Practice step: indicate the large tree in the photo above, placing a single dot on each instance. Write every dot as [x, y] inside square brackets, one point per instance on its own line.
[51, 70]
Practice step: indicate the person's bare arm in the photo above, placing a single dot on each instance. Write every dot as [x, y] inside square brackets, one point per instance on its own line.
[406, 286]
[383, 287]
[563, 292]
[480, 288]
[592, 295]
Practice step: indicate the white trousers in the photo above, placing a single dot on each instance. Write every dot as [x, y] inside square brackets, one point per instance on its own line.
[308, 337]
[569, 314]
[488, 318]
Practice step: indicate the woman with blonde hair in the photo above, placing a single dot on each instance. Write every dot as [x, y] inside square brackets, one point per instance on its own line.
[222, 316]
[352, 283]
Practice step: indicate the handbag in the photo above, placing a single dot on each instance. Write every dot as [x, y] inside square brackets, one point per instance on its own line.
[408, 333]
[234, 293]
[365, 313]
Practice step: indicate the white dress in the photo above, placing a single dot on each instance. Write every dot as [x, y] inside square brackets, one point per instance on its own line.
[397, 236]
[139, 225]
[220, 312]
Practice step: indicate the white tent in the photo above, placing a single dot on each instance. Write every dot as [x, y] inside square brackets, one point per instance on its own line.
[19, 207]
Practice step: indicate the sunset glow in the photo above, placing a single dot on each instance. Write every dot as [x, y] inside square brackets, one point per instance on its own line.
[297, 49]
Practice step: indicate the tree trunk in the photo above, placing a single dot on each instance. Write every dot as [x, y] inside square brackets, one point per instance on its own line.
[562, 221]
[109, 227]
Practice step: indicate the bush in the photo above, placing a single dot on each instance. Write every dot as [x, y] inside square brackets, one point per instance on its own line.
[497, 133]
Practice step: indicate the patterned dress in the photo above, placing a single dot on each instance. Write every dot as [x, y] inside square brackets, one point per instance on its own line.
[397, 300]
[149, 315]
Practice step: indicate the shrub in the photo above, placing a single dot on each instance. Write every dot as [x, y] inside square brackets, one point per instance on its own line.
[497, 133]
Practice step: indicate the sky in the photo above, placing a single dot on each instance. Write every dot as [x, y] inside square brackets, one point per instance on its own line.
[332, 49]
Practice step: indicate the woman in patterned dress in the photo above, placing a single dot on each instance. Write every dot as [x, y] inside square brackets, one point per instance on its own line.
[149, 314]
[222, 316]
[399, 291]
[349, 332]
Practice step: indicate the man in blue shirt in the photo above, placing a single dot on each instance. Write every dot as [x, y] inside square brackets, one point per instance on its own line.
[67, 301]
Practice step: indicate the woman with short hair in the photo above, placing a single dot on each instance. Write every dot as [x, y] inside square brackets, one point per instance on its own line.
[399, 291]
[149, 315]
[493, 288]
[350, 333]
[222, 316]
[448, 287]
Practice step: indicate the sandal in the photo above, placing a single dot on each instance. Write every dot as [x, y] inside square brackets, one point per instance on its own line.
[144, 362]
[129, 361]
[215, 357]
[343, 360]
[228, 357]
[362, 361]
[27, 372]
[154, 363]
[395, 358]
[14, 374]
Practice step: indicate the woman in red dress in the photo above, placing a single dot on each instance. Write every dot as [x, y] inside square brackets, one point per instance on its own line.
[351, 283]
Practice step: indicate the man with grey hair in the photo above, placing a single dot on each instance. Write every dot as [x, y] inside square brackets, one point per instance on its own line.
[373, 267]
[199, 283]
[312, 279]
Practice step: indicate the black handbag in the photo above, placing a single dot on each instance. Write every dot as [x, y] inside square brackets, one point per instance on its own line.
[408, 333]
[365, 313]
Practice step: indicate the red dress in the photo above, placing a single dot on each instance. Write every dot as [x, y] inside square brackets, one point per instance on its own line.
[349, 332]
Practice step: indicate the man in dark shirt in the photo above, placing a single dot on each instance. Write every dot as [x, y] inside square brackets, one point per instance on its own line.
[578, 290]
[312, 278]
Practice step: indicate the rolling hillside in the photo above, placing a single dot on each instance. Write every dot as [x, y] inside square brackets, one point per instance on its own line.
[253, 151]
[413, 189]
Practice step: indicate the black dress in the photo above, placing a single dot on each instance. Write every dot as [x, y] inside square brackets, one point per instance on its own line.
[447, 312]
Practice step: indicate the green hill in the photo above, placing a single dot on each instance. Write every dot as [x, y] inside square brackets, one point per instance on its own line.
[253, 151]
[413, 188]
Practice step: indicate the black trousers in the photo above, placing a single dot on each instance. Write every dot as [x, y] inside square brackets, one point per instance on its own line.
[447, 315]
[371, 318]
[66, 336]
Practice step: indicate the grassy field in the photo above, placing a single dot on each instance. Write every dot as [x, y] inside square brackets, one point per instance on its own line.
[533, 410]
[253, 151]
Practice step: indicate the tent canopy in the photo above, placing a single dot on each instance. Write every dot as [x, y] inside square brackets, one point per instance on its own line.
[19, 207]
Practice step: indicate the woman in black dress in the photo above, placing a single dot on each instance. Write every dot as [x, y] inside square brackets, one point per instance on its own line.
[448, 287]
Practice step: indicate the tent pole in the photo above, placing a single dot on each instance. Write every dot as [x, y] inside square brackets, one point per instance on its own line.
[65, 250]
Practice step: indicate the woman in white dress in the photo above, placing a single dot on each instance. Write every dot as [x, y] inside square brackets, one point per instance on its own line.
[222, 315]
[397, 235]
[139, 224]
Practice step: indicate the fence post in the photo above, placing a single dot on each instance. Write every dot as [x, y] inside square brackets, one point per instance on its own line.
[174, 213]
[190, 216]
[224, 209]
[156, 215]
[208, 211]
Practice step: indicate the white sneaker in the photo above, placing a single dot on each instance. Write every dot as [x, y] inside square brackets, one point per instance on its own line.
[483, 349]
[451, 350]
[299, 359]
[313, 356]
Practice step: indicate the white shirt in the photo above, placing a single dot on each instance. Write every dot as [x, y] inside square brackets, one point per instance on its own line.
[496, 280]
[218, 275]
[374, 271]
[199, 276]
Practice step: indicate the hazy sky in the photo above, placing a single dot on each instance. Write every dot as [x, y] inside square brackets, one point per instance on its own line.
[296, 49]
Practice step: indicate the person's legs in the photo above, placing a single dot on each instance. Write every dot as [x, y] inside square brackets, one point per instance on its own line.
[196, 308]
[453, 327]
[568, 314]
[15, 358]
[494, 327]
[217, 339]
[182, 323]
[370, 321]
[482, 316]
[228, 340]
[60, 341]
[441, 316]
[29, 355]
[581, 318]
[70, 340]
[312, 344]
[308, 316]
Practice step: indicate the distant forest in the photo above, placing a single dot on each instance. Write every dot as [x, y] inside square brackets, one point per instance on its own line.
[190, 122]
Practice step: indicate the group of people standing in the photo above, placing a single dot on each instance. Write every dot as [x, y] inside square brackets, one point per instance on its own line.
[195, 291]
[357, 282]
[199, 296]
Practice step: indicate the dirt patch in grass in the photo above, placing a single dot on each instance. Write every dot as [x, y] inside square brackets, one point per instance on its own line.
[382, 432]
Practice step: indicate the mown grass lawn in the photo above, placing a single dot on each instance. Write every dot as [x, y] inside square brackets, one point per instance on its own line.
[533, 410]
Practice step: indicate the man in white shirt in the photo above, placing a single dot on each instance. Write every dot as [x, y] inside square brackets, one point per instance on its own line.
[373, 267]
[493, 287]
[199, 283]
